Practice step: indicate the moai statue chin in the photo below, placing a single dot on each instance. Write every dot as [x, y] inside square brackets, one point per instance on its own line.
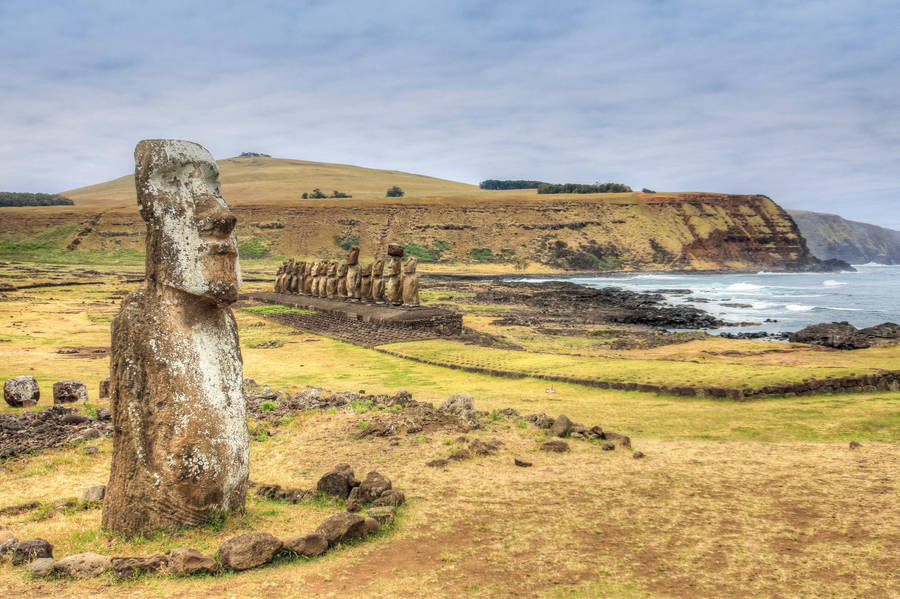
[353, 274]
[410, 282]
[180, 449]
[365, 283]
[393, 292]
[378, 281]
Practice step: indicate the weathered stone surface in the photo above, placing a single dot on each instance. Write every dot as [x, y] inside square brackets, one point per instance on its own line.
[7, 546]
[334, 483]
[410, 283]
[373, 486]
[249, 550]
[393, 292]
[840, 335]
[42, 566]
[84, 565]
[365, 283]
[557, 445]
[69, 392]
[26, 551]
[180, 452]
[94, 493]
[188, 562]
[104, 388]
[384, 514]
[353, 276]
[21, 391]
[341, 526]
[378, 280]
[394, 497]
[310, 545]
[561, 426]
[370, 526]
[129, 567]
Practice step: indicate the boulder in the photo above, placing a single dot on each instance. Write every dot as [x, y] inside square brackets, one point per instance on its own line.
[557, 445]
[839, 335]
[617, 439]
[391, 497]
[370, 526]
[27, 551]
[607, 446]
[84, 565]
[348, 471]
[104, 414]
[21, 391]
[69, 392]
[8, 546]
[561, 426]
[94, 493]
[104, 388]
[384, 514]
[340, 527]
[637, 455]
[249, 550]
[187, 562]
[335, 483]
[42, 566]
[308, 545]
[522, 463]
[458, 403]
[129, 567]
[373, 486]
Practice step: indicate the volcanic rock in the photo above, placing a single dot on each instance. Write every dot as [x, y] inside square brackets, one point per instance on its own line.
[391, 497]
[69, 392]
[309, 545]
[26, 551]
[21, 391]
[42, 566]
[84, 565]
[561, 426]
[187, 562]
[384, 514]
[341, 526]
[94, 493]
[249, 550]
[557, 445]
[129, 567]
[373, 486]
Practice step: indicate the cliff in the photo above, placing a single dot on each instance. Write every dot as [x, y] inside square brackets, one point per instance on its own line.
[830, 236]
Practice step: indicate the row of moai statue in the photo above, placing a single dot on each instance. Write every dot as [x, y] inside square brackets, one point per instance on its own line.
[381, 282]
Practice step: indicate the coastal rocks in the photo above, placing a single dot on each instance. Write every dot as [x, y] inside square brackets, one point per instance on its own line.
[843, 335]
[69, 392]
[249, 550]
[21, 392]
[188, 562]
[181, 449]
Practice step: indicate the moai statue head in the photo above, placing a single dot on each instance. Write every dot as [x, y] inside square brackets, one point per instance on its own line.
[378, 266]
[332, 268]
[353, 256]
[342, 270]
[393, 266]
[190, 230]
[365, 271]
[410, 267]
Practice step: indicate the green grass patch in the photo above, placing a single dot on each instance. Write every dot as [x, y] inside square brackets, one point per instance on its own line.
[254, 247]
[267, 309]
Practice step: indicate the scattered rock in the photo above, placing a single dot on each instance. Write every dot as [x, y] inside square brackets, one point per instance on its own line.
[855, 444]
[8, 546]
[384, 514]
[94, 493]
[540, 420]
[43, 566]
[391, 497]
[129, 567]
[14, 510]
[21, 391]
[638, 455]
[458, 403]
[479, 447]
[460, 455]
[561, 426]
[27, 551]
[607, 446]
[104, 414]
[617, 439]
[83, 565]
[188, 562]
[335, 483]
[437, 463]
[90, 450]
[5, 535]
[341, 526]
[354, 506]
[248, 550]
[69, 391]
[370, 526]
[522, 463]
[557, 445]
[373, 486]
[104, 388]
[309, 545]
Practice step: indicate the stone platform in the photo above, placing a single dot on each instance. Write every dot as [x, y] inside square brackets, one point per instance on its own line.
[359, 323]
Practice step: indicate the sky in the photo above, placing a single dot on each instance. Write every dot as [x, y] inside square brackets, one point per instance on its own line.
[796, 100]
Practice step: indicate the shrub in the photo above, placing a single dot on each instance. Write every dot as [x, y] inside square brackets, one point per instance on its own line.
[582, 188]
[267, 406]
[347, 241]
[509, 184]
[481, 254]
[394, 192]
[252, 248]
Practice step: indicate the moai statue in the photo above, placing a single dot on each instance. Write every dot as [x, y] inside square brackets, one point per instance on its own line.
[180, 449]
[353, 276]
[293, 278]
[410, 282]
[342, 281]
[331, 280]
[279, 276]
[301, 276]
[308, 276]
[393, 292]
[378, 281]
[322, 279]
[365, 283]
[314, 285]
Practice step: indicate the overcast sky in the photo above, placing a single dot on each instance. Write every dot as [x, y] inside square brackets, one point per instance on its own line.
[796, 100]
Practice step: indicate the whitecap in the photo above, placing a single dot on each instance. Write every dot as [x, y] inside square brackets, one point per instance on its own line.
[798, 308]
[744, 287]
[833, 283]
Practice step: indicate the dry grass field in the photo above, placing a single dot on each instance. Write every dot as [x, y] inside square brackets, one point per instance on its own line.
[755, 499]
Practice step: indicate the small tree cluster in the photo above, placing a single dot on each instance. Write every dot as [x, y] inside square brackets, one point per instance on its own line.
[582, 188]
[317, 194]
[394, 192]
[509, 184]
[12, 198]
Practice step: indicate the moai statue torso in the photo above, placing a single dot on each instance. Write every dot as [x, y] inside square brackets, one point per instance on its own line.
[410, 283]
[332, 280]
[294, 279]
[301, 276]
[316, 278]
[393, 292]
[279, 277]
[323, 279]
[365, 283]
[308, 278]
[180, 449]
[353, 274]
[342, 281]
[378, 281]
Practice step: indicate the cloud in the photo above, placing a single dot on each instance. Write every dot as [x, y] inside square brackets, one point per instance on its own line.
[796, 101]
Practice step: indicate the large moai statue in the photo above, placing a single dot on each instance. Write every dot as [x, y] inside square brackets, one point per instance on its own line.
[180, 448]
[353, 274]
[410, 282]
[342, 281]
[294, 278]
[393, 291]
[322, 283]
[365, 283]
[308, 278]
[279, 277]
[331, 279]
[316, 276]
[378, 280]
[301, 277]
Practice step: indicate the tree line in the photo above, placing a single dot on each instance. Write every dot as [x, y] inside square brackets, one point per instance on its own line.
[582, 188]
[13, 198]
[510, 184]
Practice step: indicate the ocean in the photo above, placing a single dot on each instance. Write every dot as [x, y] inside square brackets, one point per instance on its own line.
[864, 298]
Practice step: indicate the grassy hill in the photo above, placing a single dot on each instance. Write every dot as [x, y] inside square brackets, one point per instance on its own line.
[257, 180]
